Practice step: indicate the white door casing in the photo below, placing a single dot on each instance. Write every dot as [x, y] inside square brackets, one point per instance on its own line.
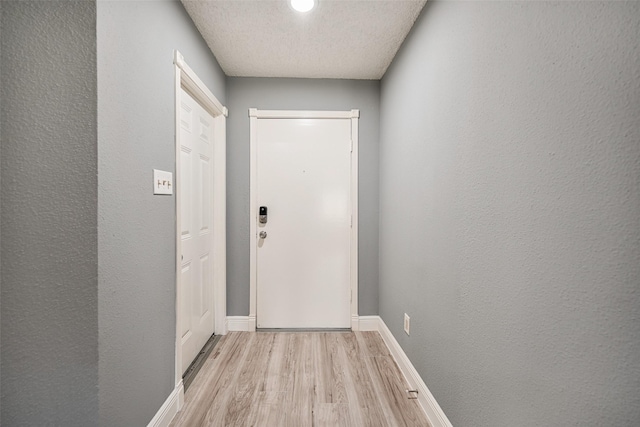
[304, 169]
[200, 215]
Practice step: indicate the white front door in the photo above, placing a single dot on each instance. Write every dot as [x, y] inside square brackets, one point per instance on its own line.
[196, 204]
[303, 263]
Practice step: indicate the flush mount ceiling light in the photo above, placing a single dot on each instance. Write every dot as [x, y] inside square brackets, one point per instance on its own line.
[302, 5]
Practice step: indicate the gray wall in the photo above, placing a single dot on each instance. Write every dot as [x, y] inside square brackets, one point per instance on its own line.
[0, 212]
[300, 94]
[49, 214]
[510, 198]
[136, 239]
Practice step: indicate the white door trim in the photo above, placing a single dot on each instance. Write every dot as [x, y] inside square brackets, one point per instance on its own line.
[295, 114]
[254, 115]
[189, 81]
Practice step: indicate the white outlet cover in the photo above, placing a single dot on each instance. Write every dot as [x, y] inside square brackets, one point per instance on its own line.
[407, 323]
[162, 182]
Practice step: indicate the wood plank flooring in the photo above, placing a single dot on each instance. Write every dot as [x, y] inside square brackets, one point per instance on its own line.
[299, 379]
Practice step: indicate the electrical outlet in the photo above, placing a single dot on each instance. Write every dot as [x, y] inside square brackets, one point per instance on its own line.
[407, 323]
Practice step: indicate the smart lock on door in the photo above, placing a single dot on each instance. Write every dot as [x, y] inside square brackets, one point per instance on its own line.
[262, 216]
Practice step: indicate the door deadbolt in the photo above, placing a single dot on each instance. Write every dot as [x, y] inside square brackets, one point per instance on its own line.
[262, 215]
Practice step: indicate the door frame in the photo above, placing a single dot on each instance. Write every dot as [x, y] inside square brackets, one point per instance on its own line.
[254, 116]
[187, 79]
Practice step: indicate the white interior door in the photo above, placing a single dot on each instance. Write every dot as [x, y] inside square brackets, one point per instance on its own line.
[196, 204]
[303, 263]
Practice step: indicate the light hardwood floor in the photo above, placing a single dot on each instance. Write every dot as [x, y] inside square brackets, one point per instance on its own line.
[299, 379]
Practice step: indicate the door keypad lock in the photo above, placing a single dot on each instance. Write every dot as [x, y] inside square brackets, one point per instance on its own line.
[262, 215]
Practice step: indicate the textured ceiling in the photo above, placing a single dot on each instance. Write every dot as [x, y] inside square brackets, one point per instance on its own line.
[344, 39]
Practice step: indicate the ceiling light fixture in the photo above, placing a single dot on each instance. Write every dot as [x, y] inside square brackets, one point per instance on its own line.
[302, 5]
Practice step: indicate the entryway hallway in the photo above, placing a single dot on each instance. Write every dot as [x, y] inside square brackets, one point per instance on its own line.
[300, 379]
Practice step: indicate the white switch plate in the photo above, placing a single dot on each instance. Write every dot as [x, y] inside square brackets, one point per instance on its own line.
[162, 182]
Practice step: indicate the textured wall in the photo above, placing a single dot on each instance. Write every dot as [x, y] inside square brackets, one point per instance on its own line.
[0, 212]
[136, 239]
[510, 206]
[300, 94]
[49, 214]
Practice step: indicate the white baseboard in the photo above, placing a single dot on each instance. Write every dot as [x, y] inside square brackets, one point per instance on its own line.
[369, 323]
[240, 324]
[169, 408]
[434, 412]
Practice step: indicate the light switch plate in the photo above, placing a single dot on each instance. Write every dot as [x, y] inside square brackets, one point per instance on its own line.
[162, 182]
